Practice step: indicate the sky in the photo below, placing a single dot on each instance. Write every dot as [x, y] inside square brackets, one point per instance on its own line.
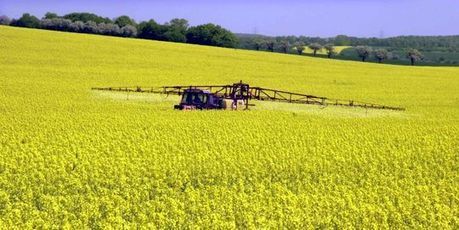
[321, 18]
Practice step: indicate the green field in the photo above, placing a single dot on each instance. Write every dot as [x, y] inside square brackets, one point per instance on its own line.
[72, 157]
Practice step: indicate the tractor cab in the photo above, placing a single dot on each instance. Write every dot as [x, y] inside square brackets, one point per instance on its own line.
[199, 99]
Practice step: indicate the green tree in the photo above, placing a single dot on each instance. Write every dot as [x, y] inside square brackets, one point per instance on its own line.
[381, 55]
[86, 17]
[299, 47]
[179, 23]
[363, 52]
[27, 20]
[330, 50]
[109, 29]
[259, 44]
[50, 15]
[414, 55]
[151, 30]
[315, 47]
[176, 30]
[210, 34]
[284, 46]
[128, 31]
[270, 45]
[124, 20]
[342, 40]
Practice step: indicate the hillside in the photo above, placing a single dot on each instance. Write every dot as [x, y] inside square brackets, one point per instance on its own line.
[70, 156]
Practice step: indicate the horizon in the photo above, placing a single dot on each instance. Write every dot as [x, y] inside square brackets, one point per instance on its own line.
[381, 19]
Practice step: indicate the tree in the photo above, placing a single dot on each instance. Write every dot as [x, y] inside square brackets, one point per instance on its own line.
[178, 23]
[210, 34]
[315, 47]
[414, 55]
[77, 26]
[270, 45]
[124, 20]
[4, 20]
[363, 52]
[90, 27]
[27, 20]
[259, 44]
[151, 30]
[50, 15]
[60, 24]
[109, 29]
[299, 46]
[342, 40]
[86, 17]
[128, 31]
[176, 30]
[284, 46]
[381, 55]
[330, 49]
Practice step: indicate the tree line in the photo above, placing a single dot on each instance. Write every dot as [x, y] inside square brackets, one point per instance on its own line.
[292, 44]
[287, 47]
[422, 43]
[380, 54]
[363, 52]
[176, 30]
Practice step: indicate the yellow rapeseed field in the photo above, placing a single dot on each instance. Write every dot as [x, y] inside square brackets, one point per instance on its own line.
[75, 158]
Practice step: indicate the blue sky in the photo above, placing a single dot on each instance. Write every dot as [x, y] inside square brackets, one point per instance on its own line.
[324, 18]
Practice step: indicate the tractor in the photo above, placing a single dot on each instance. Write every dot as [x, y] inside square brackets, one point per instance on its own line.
[237, 96]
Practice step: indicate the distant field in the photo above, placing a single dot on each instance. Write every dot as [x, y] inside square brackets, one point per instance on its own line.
[75, 158]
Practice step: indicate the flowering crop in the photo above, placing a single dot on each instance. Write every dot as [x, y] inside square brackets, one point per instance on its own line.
[72, 157]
